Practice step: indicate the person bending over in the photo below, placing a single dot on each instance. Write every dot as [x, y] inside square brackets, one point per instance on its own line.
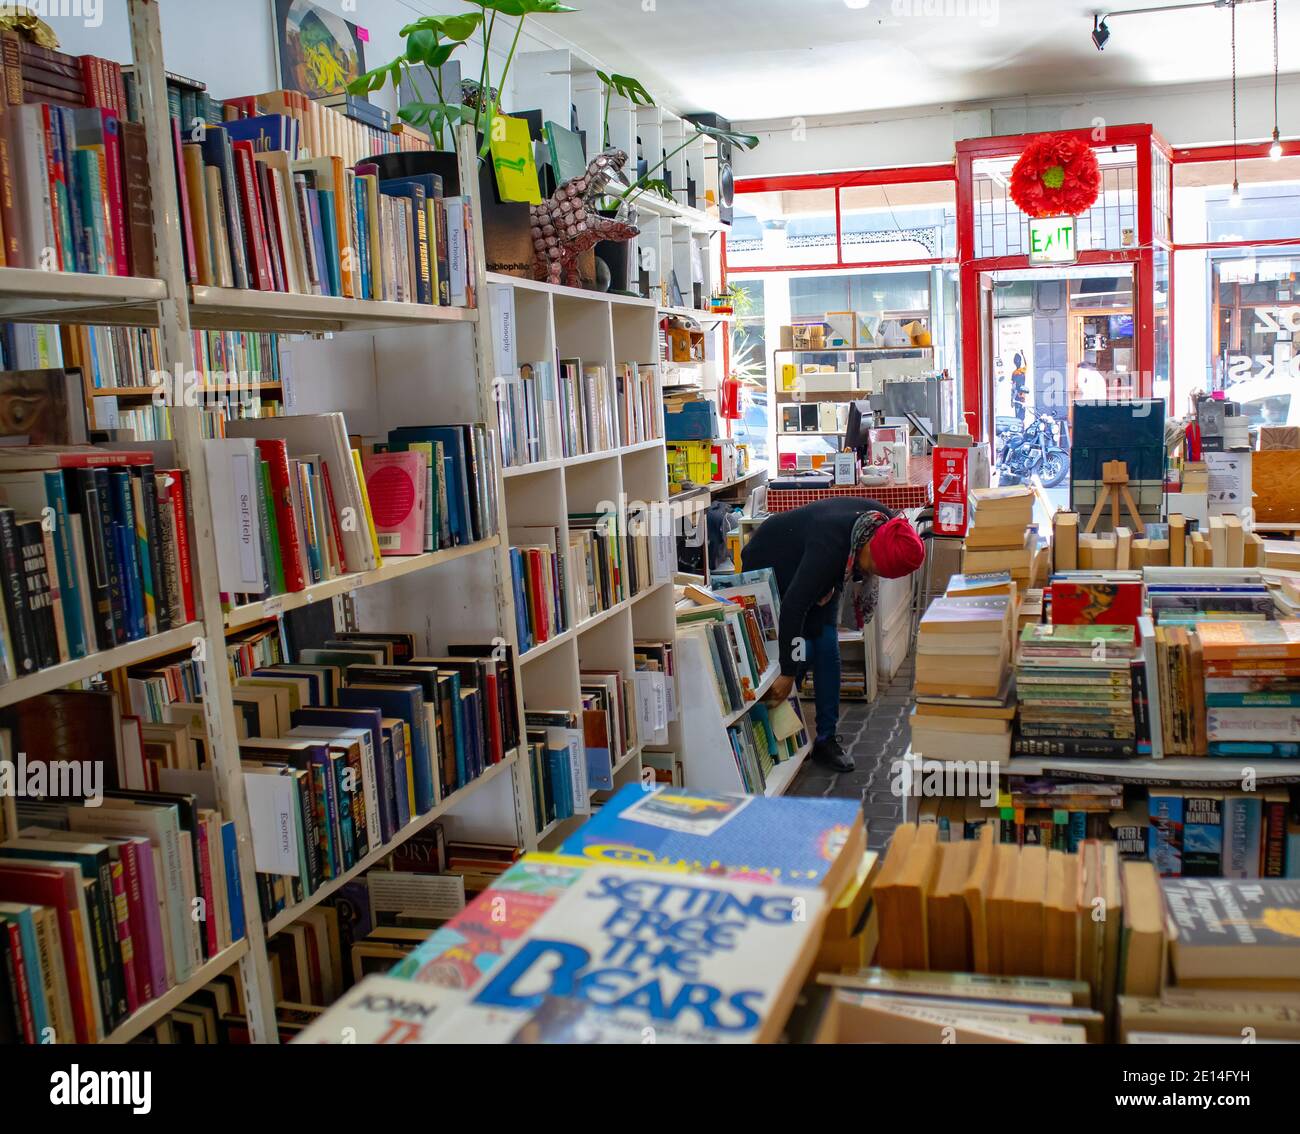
[815, 551]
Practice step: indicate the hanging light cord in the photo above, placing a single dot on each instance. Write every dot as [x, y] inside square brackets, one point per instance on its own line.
[1235, 183]
[1275, 122]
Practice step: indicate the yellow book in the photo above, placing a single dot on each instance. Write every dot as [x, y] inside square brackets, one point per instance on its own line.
[512, 158]
[365, 501]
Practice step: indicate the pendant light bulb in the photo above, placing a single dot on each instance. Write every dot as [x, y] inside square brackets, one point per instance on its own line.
[1235, 199]
[1275, 150]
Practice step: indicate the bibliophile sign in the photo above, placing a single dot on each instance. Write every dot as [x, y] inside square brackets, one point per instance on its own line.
[1052, 240]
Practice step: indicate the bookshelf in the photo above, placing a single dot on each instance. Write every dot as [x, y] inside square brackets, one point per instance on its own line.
[382, 364]
[608, 330]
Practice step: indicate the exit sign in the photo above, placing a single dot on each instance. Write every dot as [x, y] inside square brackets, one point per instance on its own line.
[1051, 240]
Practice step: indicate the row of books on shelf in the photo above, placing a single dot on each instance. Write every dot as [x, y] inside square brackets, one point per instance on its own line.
[97, 906]
[607, 559]
[117, 422]
[551, 410]
[355, 740]
[96, 550]
[295, 503]
[734, 638]
[1186, 832]
[765, 737]
[114, 358]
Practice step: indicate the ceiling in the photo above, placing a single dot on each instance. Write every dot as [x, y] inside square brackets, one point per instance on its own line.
[760, 59]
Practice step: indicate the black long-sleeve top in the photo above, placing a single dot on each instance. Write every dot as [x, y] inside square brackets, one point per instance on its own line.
[808, 549]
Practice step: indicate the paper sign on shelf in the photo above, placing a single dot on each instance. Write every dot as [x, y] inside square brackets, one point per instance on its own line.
[951, 513]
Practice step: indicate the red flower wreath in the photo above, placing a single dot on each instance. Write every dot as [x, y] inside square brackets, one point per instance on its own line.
[1057, 174]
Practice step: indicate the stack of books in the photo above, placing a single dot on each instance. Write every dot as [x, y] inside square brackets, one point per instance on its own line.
[539, 576]
[1001, 536]
[1234, 966]
[377, 734]
[1075, 687]
[733, 639]
[1248, 685]
[964, 703]
[609, 722]
[113, 566]
[980, 906]
[764, 738]
[96, 905]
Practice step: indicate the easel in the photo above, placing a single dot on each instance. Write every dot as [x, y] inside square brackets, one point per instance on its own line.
[1114, 479]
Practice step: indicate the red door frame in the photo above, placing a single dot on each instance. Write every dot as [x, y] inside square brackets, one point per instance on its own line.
[976, 385]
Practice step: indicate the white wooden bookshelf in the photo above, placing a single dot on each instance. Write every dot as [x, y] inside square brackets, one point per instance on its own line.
[706, 753]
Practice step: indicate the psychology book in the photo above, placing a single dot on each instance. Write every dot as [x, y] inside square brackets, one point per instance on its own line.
[796, 842]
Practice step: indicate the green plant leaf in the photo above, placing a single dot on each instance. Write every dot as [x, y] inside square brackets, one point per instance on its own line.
[455, 28]
[630, 88]
[523, 8]
[735, 137]
[656, 185]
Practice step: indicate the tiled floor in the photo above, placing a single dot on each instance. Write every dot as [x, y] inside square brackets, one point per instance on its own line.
[874, 735]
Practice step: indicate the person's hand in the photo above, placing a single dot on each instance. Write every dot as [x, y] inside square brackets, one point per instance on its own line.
[780, 689]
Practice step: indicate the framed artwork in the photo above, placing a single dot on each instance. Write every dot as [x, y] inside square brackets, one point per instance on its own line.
[317, 51]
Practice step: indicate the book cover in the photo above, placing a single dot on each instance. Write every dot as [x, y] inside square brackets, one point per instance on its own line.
[596, 968]
[1230, 929]
[798, 842]
[397, 484]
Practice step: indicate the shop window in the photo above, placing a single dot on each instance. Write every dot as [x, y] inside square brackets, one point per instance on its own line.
[783, 227]
[1269, 208]
[911, 221]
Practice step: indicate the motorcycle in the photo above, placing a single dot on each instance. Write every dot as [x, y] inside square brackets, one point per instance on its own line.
[1036, 448]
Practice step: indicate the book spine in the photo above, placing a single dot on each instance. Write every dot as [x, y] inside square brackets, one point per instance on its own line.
[154, 545]
[1273, 850]
[234, 887]
[139, 926]
[76, 632]
[180, 498]
[210, 897]
[132, 576]
[251, 215]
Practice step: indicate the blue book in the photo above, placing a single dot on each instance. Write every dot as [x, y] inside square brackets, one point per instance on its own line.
[1166, 812]
[1279, 750]
[362, 208]
[1242, 831]
[410, 189]
[401, 792]
[323, 214]
[1250, 700]
[234, 888]
[89, 200]
[522, 627]
[67, 212]
[41, 490]
[125, 536]
[267, 132]
[799, 842]
[20, 913]
[337, 716]
[217, 152]
[407, 703]
[456, 464]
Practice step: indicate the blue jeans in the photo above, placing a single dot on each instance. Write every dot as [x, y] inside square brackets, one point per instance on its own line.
[824, 661]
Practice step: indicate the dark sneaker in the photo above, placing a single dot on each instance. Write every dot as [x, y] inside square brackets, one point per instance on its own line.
[829, 754]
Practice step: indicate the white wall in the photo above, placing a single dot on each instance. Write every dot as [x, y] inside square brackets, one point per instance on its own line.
[230, 44]
[1184, 115]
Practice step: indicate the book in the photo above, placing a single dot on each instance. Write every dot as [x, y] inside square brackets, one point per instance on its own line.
[1231, 933]
[808, 843]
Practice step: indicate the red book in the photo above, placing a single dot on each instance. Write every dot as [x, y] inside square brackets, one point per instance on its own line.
[92, 78]
[17, 970]
[113, 181]
[183, 539]
[178, 167]
[57, 179]
[59, 887]
[274, 228]
[250, 205]
[541, 623]
[334, 520]
[275, 452]
[1096, 604]
[126, 945]
[209, 895]
[1272, 857]
[139, 922]
[494, 717]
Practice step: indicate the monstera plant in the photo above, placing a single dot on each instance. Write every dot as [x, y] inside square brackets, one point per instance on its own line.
[431, 41]
[648, 183]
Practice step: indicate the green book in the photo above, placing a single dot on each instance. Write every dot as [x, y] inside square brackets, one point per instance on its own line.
[272, 539]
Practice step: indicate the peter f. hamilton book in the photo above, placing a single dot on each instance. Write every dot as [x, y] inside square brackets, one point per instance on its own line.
[605, 964]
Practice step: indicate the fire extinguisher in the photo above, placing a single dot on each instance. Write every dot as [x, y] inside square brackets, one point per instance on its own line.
[729, 399]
